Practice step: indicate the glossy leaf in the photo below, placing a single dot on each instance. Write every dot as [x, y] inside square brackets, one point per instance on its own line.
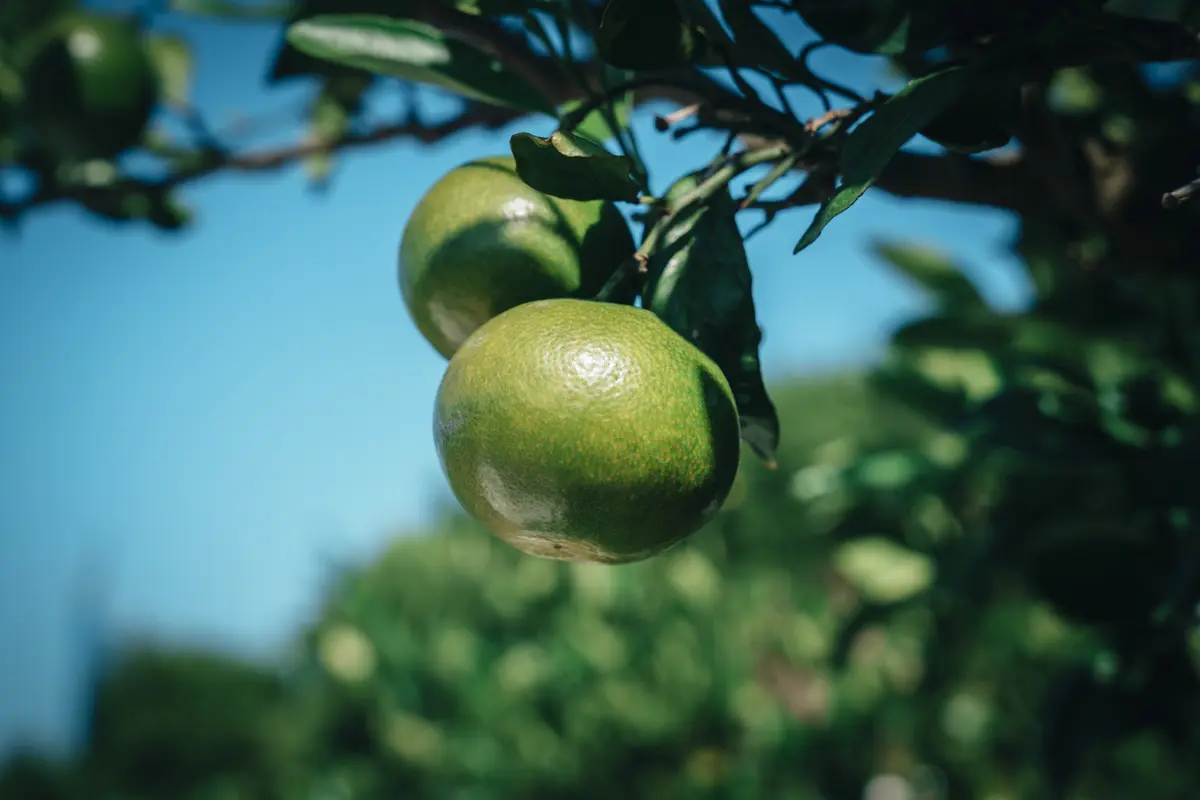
[647, 35]
[573, 168]
[289, 62]
[699, 283]
[417, 52]
[873, 143]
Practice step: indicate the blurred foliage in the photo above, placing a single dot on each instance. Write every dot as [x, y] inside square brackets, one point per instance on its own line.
[813, 639]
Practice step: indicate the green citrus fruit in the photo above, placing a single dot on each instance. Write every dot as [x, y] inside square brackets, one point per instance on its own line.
[482, 241]
[90, 87]
[586, 431]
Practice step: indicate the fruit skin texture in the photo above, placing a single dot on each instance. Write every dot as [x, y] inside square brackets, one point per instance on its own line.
[586, 431]
[90, 87]
[482, 241]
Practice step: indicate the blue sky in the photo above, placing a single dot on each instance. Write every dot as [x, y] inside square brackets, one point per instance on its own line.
[204, 420]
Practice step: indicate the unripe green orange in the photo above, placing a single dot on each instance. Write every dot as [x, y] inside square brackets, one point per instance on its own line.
[90, 86]
[586, 431]
[481, 241]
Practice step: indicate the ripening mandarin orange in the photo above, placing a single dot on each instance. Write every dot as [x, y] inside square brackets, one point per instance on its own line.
[586, 431]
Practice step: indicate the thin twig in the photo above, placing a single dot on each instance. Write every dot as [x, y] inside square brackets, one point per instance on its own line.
[664, 121]
[1177, 197]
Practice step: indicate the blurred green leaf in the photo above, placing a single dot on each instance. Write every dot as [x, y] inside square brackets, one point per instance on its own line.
[933, 271]
[945, 405]
[1166, 10]
[647, 35]
[172, 56]
[414, 51]
[985, 332]
[329, 118]
[227, 10]
[883, 571]
[496, 8]
[572, 167]
[871, 145]
[699, 282]
[1079, 712]
[20, 17]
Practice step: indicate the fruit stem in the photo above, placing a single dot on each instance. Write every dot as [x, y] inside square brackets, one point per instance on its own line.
[719, 179]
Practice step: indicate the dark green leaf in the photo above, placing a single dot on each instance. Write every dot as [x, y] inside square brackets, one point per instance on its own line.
[122, 202]
[595, 125]
[19, 17]
[1075, 561]
[932, 271]
[944, 405]
[699, 15]
[647, 35]
[573, 168]
[417, 52]
[10, 91]
[889, 27]
[1168, 11]
[755, 42]
[871, 145]
[1079, 713]
[956, 332]
[169, 213]
[699, 283]
[982, 119]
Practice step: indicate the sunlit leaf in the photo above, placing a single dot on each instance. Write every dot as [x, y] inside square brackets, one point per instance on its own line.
[414, 51]
[572, 168]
